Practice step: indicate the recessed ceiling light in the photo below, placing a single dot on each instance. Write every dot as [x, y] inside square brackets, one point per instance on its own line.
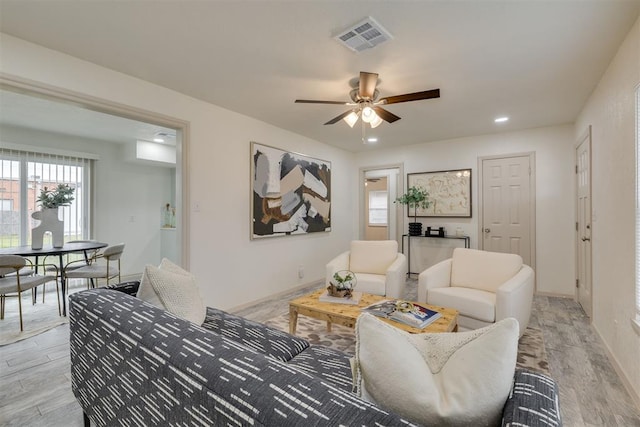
[372, 139]
[501, 119]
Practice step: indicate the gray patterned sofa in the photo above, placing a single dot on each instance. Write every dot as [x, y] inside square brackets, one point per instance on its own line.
[135, 364]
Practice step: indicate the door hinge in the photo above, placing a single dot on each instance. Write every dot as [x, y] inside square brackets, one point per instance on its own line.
[576, 168]
[576, 226]
[577, 283]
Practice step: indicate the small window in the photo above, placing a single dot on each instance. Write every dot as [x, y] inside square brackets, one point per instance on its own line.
[378, 211]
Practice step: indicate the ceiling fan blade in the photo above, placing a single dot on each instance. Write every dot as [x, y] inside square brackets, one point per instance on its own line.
[311, 101]
[338, 118]
[385, 115]
[417, 96]
[367, 85]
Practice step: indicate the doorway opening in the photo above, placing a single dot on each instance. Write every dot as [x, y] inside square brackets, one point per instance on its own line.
[379, 215]
[78, 102]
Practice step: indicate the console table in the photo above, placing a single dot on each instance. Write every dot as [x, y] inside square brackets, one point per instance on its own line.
[467, 244]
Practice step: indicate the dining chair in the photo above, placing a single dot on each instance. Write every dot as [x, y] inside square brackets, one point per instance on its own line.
[13, 279]
[86, 256]
[95, 268]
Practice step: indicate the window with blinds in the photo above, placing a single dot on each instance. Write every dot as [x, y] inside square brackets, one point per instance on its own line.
[23, 175]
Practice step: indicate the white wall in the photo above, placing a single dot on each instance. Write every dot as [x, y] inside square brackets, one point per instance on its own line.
[553, 147]
[122, 190]
[231, 269]
[610, 111]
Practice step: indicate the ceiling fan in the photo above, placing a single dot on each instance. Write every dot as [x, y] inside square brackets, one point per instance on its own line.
[365, 102]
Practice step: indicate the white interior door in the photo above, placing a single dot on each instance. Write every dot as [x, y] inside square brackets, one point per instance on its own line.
[583, 224]
[507, 206]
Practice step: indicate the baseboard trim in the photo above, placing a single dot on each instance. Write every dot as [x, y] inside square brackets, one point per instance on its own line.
[635, 397]
[272, 296]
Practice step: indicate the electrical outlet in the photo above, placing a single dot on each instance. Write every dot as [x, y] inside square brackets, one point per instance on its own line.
[301, 271]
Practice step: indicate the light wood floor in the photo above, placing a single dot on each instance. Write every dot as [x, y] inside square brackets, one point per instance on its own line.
[35, 388]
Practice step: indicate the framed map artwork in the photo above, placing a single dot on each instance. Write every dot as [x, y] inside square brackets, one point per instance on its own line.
[449, 192]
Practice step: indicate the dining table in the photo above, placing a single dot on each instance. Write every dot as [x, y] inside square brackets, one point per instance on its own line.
[75, 247]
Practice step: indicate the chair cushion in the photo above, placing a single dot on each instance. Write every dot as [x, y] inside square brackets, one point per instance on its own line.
[372, 256]
[176, 290]
[453, 379]
[469, 302]
[371, 283]
[91, 271]
[472, 268]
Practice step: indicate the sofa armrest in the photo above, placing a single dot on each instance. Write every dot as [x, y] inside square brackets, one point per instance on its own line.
[396, 277]
[515, 296]
[341, 262]
[533, 401]
[436, 276]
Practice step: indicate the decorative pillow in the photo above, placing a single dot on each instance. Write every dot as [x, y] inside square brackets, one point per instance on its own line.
[453, 379]
[173, 289]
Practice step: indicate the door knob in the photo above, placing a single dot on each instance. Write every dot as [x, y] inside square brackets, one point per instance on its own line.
[586, 239]
[487, 230]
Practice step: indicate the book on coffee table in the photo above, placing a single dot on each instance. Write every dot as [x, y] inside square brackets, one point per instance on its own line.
[404, 312]
[354, 299]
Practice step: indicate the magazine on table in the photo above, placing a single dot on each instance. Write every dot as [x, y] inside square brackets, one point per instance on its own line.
[404, 312]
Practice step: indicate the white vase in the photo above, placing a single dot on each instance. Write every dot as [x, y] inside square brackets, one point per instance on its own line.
[48, 222]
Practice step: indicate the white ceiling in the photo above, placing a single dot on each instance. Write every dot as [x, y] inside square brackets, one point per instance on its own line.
[26, 111]
[535, 61]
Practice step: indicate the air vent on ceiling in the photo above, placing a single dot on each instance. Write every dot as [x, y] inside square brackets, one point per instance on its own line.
[363, 35]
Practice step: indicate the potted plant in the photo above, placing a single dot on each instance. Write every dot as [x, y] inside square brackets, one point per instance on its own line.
[50, 201]
[62, 195]
[342, 284]
[415, 197]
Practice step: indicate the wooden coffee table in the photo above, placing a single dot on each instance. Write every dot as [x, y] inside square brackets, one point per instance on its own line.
[346, 315]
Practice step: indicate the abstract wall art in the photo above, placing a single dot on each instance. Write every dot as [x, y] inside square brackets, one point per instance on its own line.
[290, 193]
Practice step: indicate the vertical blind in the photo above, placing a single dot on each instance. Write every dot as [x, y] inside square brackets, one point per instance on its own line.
[23, 174]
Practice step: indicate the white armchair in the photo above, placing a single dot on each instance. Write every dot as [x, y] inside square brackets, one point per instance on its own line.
[483, 286]
[380, 269]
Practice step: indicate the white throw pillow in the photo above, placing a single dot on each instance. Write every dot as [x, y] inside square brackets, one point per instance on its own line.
[453, 379]
[173, 289]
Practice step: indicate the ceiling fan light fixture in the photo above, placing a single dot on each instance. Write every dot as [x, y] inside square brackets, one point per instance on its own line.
[376, 121]
[368, 115]
[351, 118]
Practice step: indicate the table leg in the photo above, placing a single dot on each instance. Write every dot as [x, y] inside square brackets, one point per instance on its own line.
[34, 291]
[328, 326]
[63, 283]
[293, 320]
